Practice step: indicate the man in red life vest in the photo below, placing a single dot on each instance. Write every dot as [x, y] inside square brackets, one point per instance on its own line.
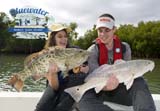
[106, 50]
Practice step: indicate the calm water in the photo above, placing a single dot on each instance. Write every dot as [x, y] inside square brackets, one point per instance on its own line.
[14, 63]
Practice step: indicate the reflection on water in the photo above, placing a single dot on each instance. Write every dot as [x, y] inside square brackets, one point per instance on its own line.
[14, 63]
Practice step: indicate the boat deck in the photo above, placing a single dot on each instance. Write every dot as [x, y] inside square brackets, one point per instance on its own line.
[26, 101]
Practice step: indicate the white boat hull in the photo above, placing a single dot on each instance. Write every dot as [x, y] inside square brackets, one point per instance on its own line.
[26, 101]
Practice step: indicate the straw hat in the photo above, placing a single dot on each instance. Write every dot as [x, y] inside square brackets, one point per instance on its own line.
[58, 27]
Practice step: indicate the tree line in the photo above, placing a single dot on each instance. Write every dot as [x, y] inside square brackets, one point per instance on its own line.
[144, 38]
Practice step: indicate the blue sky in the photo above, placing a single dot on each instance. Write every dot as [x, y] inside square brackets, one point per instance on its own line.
[85, 12]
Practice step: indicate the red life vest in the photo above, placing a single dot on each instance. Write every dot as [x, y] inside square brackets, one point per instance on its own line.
[103, 51]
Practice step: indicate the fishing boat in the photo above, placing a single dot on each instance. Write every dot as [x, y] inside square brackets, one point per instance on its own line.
[26, 101]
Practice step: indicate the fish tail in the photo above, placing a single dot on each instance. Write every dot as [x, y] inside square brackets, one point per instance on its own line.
[75, 92]
[16, 82]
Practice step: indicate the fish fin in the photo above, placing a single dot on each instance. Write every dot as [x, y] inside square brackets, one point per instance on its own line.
[100, 85]
[129, 83]
[29, 59]
[75, 92]
[16, 82]
[98, 89]
[119, 61]
[19, 85]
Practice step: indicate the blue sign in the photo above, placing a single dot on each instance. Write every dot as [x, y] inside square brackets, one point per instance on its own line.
[28, 29]
[30, 22]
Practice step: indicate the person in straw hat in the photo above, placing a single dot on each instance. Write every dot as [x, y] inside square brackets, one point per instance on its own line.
[54, 98]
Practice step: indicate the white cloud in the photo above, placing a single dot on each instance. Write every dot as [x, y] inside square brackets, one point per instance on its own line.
[85, 12]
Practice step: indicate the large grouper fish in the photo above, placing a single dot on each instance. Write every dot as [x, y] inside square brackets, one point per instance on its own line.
[125, 71]
[38, 63]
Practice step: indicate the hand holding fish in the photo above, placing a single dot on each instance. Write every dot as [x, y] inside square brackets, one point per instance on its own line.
[124, 71]
[111, 84]
[81, 68]
[37, 64]
[52, 76]
[84, 68]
